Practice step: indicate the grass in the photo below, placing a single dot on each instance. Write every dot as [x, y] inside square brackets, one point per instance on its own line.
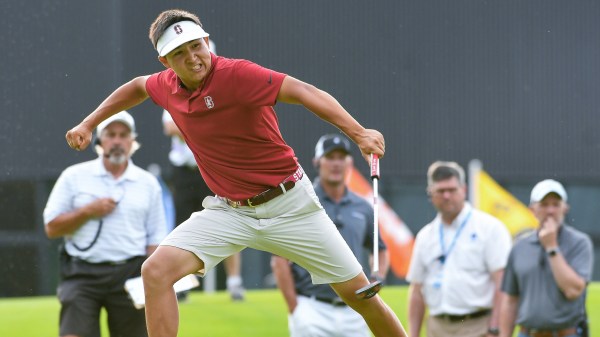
[262, 314]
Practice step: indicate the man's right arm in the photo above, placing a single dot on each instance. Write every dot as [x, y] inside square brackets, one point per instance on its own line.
[285, 281]
[68, 222]
[416, 309]
[126, 96]
[508, 314]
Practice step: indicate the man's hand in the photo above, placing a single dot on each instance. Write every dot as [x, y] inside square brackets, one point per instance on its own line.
[101, 207]
[371, 142]
[79, 137]
[548, 233]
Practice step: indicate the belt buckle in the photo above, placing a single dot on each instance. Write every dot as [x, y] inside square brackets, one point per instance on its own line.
[234, 204]
[250, 203]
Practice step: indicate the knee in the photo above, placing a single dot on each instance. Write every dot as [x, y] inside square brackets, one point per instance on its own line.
[152, 273]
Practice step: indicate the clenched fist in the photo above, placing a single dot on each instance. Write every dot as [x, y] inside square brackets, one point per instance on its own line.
[79, 137]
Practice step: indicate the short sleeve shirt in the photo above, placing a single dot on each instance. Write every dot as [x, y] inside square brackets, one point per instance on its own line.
[353, 217]
[528, 276]
[137, 221]
[463, 283]
[230, 125]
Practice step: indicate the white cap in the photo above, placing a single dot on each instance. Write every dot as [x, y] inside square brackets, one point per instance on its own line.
[178, 34]
[545, 187]
[123, 117]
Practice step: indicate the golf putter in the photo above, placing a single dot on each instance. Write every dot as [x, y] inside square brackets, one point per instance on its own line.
[373, 288]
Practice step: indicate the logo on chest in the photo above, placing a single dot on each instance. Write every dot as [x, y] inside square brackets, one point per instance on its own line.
[209, 102]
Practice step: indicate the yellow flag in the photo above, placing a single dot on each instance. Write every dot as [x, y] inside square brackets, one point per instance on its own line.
[491, 198]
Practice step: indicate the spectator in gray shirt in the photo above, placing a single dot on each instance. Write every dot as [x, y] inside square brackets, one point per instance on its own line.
[315, 309]
[545, 280]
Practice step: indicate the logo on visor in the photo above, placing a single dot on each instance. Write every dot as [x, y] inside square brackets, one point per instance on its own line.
[177, 29]
[209, 102]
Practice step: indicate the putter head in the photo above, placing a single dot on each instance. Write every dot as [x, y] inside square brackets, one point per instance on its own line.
[369, 290]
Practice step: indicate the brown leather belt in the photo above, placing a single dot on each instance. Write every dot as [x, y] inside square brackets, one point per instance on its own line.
[548, 333]
[460, 318]
[270, 194]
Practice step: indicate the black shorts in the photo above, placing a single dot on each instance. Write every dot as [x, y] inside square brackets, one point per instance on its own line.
[86, 288]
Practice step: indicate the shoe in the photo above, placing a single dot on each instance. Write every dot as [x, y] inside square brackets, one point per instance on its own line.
[237, 293]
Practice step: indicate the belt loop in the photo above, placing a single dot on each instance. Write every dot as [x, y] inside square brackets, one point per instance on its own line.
[283, 188]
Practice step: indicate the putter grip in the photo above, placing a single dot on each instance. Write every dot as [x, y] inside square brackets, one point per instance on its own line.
[374, 166]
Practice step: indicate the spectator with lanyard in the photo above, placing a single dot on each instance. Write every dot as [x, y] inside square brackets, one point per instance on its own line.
[315, 309]
[111, 216]
[457, 262]
[224, 110]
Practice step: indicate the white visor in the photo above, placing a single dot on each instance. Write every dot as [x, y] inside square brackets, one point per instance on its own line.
[178, 34]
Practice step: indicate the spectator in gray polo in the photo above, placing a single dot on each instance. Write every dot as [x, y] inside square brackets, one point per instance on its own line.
[547, 273]
[315, 309]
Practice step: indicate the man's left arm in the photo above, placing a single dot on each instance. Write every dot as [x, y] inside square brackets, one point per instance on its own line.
[494, 322]
[570, 276]
[497, 254]
[322, 104]
[568, 280]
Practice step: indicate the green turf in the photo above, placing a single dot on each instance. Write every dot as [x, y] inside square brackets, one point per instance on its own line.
[262, 314]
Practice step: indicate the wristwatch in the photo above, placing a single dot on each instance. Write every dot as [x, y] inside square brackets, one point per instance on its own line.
[494, 331]
[552, 251]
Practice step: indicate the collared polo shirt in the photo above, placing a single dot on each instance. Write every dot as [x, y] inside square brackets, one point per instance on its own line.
[353, 217]
[463, 283]
[137, 221]
[528, 275]
[230, 125]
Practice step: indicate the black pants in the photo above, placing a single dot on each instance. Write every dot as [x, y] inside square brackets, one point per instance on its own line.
[189, 189]
[86, 288]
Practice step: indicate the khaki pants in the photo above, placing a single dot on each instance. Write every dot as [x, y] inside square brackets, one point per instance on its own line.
[443, 327]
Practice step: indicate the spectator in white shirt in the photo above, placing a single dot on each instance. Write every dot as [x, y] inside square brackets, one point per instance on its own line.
[110, 214]
[457, 262]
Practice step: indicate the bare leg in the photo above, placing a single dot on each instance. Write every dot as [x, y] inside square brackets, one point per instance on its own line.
[379, 317]
[160, 271]
[233, 266]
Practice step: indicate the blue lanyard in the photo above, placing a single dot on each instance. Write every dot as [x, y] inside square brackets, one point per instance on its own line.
[442, 245]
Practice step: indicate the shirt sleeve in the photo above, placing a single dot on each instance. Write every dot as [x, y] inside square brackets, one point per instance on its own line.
[581, 258]
[498, 246]
[416, 269]
[256, 85]
[60, 199]
[156, 223]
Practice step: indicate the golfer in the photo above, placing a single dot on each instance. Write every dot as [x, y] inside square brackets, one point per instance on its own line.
[224, 109]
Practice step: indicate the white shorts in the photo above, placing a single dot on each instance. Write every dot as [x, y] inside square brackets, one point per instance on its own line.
[293, 225]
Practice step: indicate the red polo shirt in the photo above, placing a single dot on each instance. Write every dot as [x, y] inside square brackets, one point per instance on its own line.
[230, 125]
